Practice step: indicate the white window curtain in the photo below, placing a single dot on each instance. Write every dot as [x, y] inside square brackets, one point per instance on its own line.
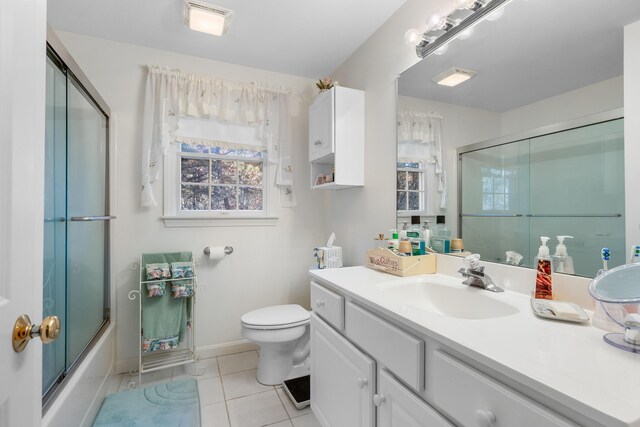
[420, 141]
[182, 106]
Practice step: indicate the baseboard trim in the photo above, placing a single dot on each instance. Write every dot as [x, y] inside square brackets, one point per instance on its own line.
[205, 352]
[223, 349]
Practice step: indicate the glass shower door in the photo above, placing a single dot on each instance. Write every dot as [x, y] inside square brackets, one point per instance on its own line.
[87, 219]
[577, 189]
[76, 222]
[494, 197]
[55, 201]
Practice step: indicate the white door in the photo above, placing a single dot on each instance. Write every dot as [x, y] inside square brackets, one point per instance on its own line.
[22, 114]
[342, 379]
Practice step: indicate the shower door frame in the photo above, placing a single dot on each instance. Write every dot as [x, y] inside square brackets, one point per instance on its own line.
[58, 53]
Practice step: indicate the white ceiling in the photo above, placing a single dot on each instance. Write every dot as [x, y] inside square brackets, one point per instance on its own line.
[303, 38]
[536, 50]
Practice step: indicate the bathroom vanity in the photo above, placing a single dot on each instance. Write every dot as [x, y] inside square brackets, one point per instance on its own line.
[429, 351]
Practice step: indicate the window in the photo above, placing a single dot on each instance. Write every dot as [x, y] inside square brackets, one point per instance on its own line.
[221, 179]
[410, 187]
[496, 186]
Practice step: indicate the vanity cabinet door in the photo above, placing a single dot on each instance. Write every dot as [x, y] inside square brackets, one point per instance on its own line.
[342, 380]
[321, 126]
[398, 407]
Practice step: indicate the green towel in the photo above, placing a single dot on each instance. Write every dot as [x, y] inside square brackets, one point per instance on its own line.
[164, 319]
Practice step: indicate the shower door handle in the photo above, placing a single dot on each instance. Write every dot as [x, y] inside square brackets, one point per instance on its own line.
[92, 218]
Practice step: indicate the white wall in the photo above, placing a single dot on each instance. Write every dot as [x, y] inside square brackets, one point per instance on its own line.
[269, 264]
[603, 96]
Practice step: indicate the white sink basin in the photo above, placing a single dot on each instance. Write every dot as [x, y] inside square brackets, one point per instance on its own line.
[459, 301]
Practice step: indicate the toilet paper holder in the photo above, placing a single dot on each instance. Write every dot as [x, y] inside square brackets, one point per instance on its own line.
[228, 250]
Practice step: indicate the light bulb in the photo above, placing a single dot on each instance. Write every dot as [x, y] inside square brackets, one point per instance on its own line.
[436, 21]
[412, 37]
[466, 34]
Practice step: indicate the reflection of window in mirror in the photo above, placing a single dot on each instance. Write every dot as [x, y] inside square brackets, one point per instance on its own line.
[496, 185]
[410, 188]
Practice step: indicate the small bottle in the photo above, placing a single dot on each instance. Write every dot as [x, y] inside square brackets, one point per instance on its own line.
[544, 288]
[563, 262]
[441, 227]
[403, 232]
[394, 243]
[426, 234]
[415, 235]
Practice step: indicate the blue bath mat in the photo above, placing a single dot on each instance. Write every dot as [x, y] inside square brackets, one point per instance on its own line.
[173, 404]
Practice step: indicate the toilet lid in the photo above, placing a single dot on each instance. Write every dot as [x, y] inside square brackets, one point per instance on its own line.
[277, 315]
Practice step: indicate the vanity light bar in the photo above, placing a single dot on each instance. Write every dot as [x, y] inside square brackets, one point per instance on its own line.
[433, 39]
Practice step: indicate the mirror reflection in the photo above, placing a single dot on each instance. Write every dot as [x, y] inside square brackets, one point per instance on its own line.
[530, 143]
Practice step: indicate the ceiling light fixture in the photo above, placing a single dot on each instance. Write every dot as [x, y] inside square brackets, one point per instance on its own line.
[453, 76]
[206, 17]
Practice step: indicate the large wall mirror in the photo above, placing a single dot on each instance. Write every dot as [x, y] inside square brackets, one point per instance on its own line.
[533, 143]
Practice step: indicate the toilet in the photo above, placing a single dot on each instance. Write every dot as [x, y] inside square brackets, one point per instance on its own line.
[282, 333]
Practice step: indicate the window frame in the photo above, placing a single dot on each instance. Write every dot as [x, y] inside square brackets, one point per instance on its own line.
[174, 216]
[422, 171]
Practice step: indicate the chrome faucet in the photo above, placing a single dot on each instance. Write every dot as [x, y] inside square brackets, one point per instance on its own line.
[476, 276]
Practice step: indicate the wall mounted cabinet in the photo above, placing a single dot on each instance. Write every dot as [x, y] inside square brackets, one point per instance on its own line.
[336, 139]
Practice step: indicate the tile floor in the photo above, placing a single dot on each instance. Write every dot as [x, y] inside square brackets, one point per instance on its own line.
[230, 395]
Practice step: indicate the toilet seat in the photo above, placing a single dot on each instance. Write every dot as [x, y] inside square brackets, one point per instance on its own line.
[276, 317]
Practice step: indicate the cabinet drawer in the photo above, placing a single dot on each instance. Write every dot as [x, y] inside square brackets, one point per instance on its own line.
[474, 399]
[328, 305]
[400, 352]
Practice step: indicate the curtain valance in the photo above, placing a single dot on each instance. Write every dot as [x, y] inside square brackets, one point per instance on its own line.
[172, 96]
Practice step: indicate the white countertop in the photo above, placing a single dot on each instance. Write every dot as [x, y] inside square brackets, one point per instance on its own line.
[565, 361]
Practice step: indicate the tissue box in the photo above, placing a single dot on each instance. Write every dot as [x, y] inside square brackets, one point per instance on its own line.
[385, 260]
[329, 257]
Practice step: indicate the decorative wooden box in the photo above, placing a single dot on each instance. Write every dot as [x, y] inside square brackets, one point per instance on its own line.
[385, 260]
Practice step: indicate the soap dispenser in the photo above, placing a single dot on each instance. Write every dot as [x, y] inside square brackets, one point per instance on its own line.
[543, 265]
[563, 263]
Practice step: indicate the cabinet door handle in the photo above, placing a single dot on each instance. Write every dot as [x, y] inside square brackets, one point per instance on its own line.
[485, 418]
[362, 382]
[378, 399]
[319, 303]
[317, 142]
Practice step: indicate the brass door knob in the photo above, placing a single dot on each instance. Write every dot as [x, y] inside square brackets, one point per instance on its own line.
[24, 330]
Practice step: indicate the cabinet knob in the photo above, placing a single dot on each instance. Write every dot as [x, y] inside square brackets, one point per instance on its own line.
[485, 418]
[319, 303]
[378, 399]
[317, 142]
[362, 382]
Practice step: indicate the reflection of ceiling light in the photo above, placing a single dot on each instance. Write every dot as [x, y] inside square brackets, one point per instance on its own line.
[206, 18]
[453, 76]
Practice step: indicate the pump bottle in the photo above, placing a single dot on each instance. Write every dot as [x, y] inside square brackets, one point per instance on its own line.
[562, 261]
[544, 289]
